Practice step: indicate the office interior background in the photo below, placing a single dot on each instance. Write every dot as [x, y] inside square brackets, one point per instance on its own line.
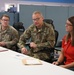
[57, 10]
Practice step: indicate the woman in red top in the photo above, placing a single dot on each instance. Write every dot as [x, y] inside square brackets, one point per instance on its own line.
[67, 52]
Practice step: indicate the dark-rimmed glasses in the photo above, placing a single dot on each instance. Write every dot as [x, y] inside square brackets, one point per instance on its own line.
[4, 20]
[36, 19]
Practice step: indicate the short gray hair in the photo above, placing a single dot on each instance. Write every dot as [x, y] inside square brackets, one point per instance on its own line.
[37, 12]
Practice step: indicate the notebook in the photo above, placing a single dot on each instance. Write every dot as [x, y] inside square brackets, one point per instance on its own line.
[31, 61]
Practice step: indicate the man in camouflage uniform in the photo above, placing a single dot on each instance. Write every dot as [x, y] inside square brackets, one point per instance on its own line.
[8, 35]
[41, 34]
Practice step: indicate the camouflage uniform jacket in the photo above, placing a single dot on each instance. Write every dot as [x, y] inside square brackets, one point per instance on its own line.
[43, 37]
[9, 36]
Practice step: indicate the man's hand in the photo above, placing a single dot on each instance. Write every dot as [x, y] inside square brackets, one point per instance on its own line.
[2, 44]
[33, 45]
[24, 50]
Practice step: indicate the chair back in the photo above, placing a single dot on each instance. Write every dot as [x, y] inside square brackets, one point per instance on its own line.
[19, 27]
[49, 21]
[56, 36]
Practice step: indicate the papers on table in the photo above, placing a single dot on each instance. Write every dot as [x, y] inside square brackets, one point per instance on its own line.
[31, 61]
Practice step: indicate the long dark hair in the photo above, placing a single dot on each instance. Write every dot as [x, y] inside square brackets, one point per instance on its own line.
[71, 19]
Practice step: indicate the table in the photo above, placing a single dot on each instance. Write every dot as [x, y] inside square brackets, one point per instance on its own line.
[11, 64]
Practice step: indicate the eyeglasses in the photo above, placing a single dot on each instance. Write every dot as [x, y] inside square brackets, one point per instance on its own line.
[5, 20]
[37, 19]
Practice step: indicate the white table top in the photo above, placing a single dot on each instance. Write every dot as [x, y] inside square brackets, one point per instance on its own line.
[11, 64]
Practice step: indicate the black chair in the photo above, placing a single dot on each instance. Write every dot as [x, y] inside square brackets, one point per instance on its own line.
[19, 27]
[56, 36]
[58, 48]
[59, 44]
[50, 21]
